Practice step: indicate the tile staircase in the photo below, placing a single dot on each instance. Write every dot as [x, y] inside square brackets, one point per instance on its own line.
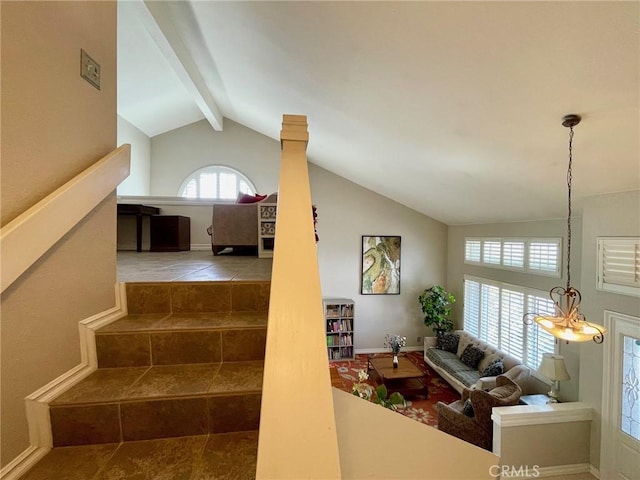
[187, 361]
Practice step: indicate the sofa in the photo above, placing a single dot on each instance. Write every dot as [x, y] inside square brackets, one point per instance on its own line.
[462, 372]
[470, 417]
[236, 224]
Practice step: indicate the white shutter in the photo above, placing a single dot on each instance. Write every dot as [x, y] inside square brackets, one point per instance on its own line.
[491, 252]
[544, 256]
[471, 307]
[511, 323]
[513, 253]
[619, 265]
[472, 251]
[490, 314]
[538, 341]
[208, 185]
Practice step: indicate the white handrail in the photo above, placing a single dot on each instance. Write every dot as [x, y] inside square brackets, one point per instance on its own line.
[27, 237]
[295, 443]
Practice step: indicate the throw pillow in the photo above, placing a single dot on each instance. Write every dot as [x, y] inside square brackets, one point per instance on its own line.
[465, 339]
[244, 198]
[447, 342]
[493, 369]
[488, 358]
[471, 356]
[467, 408]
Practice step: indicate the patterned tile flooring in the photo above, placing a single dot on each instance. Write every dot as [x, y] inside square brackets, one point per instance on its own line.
[191, 266]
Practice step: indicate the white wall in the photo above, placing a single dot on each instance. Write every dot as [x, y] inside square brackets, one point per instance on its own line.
[138, 181]
[178, 153]
[456, 269]
[614, 215]
[347, 211]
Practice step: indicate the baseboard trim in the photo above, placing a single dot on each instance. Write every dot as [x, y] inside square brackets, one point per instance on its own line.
[23, 462]
[559, 470]
[201, 246]
[522, 472]
[594, 471]
[37, 403]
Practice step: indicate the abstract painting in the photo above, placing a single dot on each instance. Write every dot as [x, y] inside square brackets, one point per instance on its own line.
[380, 265]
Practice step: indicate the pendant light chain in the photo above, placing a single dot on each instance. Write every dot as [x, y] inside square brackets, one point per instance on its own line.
[569, 178]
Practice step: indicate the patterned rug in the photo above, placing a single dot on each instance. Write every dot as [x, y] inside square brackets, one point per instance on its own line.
[418, 408]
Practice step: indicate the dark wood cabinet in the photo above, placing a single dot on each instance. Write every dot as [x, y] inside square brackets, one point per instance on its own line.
[170, 233]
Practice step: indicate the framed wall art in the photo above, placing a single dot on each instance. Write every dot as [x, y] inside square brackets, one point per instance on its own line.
[380, 265]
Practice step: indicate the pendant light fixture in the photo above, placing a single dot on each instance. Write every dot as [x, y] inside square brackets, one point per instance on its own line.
[568, 323]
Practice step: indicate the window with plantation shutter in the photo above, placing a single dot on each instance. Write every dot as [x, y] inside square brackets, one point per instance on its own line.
[216, 182]
[513, 253]
[511, 331]
[543, 256]
[491, 252]
[472, 251]
[490, 314]
[536, 256]
[472, 307]
[619, 265]
[537, 340]
[493, 312]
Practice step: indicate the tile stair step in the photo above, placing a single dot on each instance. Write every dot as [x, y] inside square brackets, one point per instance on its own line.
[173, 339]
[141, 403]
[198, 297]
[229, 456]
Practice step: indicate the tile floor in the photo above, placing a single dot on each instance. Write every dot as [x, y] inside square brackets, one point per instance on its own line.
[191, 266]
[229, 456]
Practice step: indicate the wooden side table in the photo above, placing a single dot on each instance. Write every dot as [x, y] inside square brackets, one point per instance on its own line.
[170, 233]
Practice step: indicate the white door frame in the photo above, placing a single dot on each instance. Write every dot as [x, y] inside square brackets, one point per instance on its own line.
[613, 322]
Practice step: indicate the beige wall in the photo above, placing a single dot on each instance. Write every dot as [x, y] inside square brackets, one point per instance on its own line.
[347, 211]
[176, 154]
[138, 182]
[456, 269]
[614, 215]
[54, 125]
[548, 445]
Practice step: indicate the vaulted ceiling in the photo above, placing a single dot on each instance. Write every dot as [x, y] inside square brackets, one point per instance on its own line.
[451, 108]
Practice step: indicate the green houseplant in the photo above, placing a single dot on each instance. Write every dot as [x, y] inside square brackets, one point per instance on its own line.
[436, 305]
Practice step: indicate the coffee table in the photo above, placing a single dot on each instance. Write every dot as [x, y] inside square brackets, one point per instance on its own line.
[407, 379]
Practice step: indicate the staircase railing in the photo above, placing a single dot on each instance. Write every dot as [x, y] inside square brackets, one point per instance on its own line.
[296, 379]
[27, 237]
[307, 429]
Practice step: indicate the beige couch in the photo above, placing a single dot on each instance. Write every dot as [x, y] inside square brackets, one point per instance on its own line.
[236, 225]
[449, 366]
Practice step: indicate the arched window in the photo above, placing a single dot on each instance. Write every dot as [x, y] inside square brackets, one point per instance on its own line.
[216, 182]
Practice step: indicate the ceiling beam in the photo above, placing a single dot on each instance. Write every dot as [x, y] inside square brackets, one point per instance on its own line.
[156, 18]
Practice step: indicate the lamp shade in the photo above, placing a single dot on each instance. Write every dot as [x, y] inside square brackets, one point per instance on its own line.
[553, 367]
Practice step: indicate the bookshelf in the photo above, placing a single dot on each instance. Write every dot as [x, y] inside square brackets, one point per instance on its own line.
[266, 229]
[339, 328]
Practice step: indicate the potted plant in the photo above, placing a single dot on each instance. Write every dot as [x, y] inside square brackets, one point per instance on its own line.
[436, 306]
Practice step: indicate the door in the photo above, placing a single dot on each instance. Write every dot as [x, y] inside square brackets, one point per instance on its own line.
[620, 458]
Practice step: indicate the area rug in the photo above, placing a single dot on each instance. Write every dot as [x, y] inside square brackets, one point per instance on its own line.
[419, 408]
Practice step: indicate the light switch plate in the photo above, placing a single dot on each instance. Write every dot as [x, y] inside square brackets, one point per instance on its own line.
[89, 69]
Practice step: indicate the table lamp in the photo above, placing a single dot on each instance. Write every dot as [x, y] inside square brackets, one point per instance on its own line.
[553, 367]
